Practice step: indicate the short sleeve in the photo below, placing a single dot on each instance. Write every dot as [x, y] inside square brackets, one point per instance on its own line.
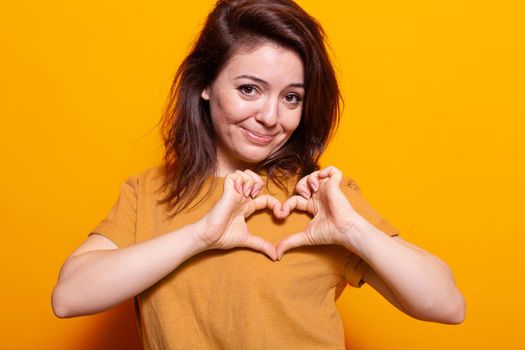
[120, 224]
[353, 193]
[355, 266]
[354, 270]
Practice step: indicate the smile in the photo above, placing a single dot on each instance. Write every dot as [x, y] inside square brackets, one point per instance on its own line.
[257, 138]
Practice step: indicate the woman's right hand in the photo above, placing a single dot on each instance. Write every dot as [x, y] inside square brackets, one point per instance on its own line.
[224, 226]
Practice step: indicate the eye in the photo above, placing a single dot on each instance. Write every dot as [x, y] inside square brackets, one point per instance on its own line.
[248, 90]
[293, 99]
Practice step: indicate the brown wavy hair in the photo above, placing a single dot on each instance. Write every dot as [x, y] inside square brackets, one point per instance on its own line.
[186, 129]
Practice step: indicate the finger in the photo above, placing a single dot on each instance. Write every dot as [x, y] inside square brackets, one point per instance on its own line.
[331, 172]
[229, 179]
[238, 183]
[278, 211]
[230, 197]
[294, 202]
[260, 244]
[302, 188]
[313, 181]
[230, 182]
[247, 187]
[296, 240]
[246, 182]
[258, 183]
[262, 202]
[257, 187]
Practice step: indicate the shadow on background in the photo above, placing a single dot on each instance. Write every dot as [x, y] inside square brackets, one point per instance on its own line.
[117, 329]
[354, 342]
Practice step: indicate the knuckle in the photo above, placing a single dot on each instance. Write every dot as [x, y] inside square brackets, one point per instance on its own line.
[251, 173]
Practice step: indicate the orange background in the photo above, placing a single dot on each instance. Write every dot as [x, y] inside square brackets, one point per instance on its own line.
[433, 131]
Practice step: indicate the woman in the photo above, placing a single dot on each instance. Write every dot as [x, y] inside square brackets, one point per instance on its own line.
[211, 245]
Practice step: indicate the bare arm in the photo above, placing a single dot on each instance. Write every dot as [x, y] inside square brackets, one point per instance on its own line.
[99, 275]
[415, 281]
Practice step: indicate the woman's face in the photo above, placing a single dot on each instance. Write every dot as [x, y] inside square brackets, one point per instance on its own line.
[255, 103]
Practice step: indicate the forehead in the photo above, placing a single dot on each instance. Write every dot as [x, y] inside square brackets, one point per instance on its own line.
[268, 61]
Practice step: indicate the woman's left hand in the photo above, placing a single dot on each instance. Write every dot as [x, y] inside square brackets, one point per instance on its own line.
[333, 216]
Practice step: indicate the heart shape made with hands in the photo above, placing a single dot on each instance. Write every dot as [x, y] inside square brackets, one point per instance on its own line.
[318, 194]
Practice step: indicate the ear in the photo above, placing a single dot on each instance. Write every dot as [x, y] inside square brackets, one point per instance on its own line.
[205, 94]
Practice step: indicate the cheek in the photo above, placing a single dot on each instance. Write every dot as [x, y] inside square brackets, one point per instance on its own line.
[230, 109]
[292, 122]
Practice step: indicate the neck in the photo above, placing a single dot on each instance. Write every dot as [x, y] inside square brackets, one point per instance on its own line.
[227, 165]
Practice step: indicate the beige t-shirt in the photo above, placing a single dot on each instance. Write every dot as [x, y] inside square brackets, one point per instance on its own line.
[239, 298]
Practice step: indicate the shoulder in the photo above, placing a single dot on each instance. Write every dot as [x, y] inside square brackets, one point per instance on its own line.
[357, 199]
[146, 180]
[151, 174]
[350, 183]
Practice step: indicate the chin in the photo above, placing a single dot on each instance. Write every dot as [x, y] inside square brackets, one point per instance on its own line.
[255, 157]
[254, 160]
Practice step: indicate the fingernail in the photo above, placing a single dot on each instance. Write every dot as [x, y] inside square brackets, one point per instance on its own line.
[257, 189]
[247, 191]
[314, 187]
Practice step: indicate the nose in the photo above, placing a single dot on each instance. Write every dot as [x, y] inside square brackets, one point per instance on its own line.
[268, 113]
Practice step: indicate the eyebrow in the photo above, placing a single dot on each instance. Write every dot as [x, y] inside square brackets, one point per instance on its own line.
[259, 80]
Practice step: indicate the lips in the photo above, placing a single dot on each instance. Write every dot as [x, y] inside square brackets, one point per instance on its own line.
[258, 138]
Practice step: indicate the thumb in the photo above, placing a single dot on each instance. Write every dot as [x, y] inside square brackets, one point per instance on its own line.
[296, 240]
[260, 244]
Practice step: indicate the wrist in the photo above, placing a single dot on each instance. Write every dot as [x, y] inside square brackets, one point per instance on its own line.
[354, 236]
[196, 232]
